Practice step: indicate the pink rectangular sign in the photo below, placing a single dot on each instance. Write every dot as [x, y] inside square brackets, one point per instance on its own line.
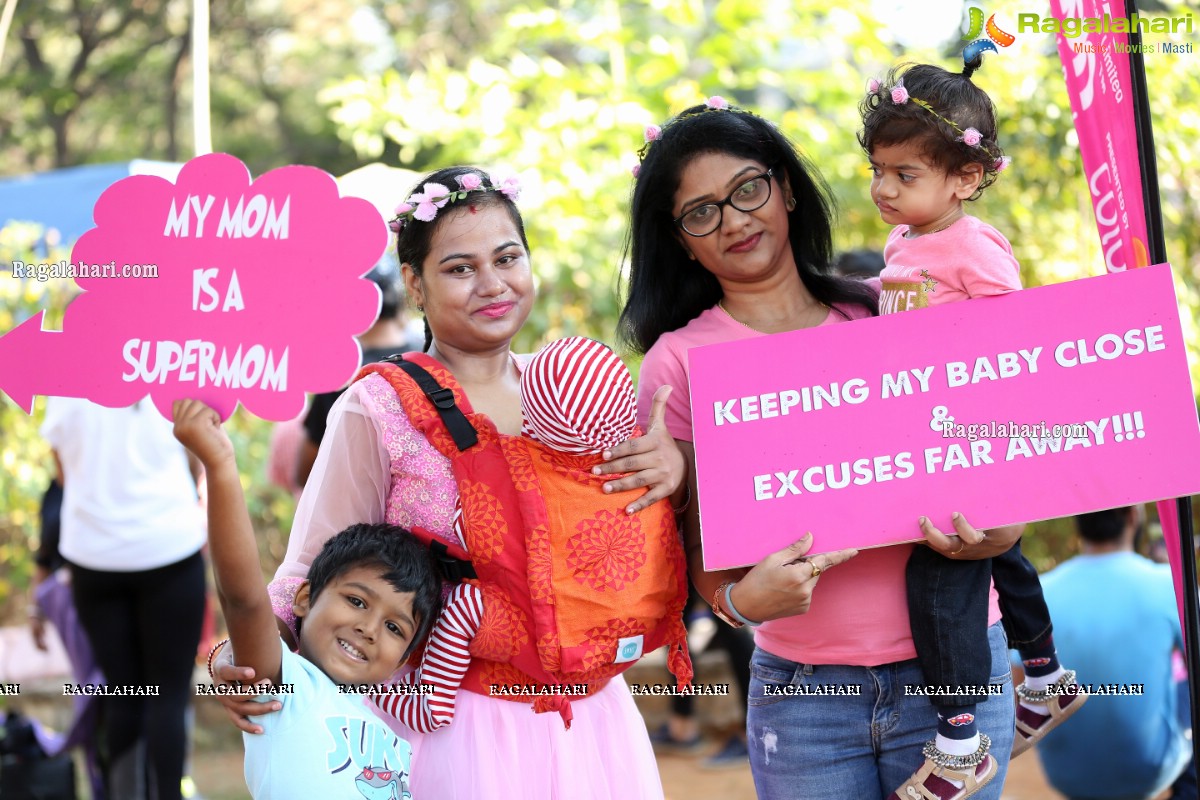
[1009, 409]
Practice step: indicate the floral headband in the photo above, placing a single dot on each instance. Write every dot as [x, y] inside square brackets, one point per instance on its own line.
[653, 132]
[423, 206]
[970, 137]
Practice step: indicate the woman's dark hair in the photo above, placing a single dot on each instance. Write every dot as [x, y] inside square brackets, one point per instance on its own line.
[953, 97]
[667, 290]
[386, 275]
[415, 237]
[404, 561]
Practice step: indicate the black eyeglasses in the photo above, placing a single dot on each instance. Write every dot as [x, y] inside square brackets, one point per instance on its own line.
[749, 196]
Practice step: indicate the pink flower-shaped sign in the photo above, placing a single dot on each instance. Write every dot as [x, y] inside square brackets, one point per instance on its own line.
[257, 298]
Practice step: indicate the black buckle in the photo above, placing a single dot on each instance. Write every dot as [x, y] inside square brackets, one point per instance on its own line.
[442, 398]
[452, 569]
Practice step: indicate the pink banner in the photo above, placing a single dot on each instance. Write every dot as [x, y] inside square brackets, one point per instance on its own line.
[1097, 68]
[215, 286]
[1008, 409]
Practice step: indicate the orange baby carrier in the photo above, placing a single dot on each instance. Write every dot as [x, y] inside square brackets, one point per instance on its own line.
[575, 590]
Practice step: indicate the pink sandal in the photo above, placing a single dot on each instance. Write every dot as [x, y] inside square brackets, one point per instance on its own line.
[932, 780]
[1062, 698]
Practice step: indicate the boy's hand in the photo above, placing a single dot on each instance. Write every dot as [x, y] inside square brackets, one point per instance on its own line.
[198, 428]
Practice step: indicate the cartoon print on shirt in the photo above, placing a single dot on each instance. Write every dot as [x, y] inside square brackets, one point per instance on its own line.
[376, 784]
[374, 750]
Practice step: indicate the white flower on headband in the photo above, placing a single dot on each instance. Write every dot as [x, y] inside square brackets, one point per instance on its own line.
[971, 137]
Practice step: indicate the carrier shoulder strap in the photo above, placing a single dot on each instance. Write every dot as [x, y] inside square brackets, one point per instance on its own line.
[461, 429]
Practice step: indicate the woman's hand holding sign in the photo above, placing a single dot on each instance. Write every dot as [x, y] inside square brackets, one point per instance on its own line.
[781, 585]
[970, 543]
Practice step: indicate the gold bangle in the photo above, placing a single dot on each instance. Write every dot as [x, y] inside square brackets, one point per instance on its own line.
[719, 610]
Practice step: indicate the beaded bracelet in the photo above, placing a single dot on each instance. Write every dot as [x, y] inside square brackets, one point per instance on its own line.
[212, 653]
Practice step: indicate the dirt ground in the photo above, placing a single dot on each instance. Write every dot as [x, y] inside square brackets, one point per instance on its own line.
[218, 775]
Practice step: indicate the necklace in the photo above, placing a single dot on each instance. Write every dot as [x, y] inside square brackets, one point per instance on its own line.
[909, 234]
[725, 311]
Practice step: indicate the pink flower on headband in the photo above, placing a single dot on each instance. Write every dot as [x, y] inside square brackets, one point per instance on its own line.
[428, 202]
[402, 210]
[716, 102]
[1001, 163]
[652, 133]
[469, 182]
[971, 137]
[873, 85]
[899, 93]
[510, 187]
[635, 170]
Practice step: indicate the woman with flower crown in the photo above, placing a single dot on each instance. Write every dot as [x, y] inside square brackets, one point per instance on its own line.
[731, 239]
[465, 259]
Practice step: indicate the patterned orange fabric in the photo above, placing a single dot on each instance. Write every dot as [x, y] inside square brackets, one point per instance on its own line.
[567, 576]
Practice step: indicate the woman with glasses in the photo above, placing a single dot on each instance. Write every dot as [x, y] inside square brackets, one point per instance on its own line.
[731, 239]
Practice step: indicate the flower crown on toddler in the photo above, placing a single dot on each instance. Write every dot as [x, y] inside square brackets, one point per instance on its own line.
[653, 132]
[423, 206]
[970, 137]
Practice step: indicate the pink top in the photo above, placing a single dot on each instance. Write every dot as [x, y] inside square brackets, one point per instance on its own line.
[859, 613]
[968, 259]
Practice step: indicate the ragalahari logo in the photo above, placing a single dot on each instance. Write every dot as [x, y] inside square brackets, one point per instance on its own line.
[995, 36]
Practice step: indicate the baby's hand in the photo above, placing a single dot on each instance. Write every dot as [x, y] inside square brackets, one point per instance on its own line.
[198, 428]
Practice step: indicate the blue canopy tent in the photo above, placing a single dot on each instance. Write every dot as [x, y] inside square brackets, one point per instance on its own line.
[63, 199]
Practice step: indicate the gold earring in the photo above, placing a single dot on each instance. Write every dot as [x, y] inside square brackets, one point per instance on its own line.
[791, 204]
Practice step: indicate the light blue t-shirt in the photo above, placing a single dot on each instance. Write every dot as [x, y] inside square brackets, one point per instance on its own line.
[1116, 622]
[324, 743]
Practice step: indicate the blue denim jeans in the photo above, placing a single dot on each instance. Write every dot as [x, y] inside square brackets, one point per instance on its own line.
[837, 746]
[948, 610]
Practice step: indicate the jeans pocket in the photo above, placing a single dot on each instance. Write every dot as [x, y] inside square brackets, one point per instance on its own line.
[768, 674]
[998, 642]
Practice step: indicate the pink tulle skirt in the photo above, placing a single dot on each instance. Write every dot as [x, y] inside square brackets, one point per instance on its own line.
[500, 749]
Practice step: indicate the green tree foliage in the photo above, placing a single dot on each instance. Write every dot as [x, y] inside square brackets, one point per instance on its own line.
[561, 93]
[91, 81]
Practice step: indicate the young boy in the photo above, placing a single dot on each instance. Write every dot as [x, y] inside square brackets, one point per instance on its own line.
[371, 594]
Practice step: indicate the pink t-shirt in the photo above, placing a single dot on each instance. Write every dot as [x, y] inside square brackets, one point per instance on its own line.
[968, 259]
[859, 613]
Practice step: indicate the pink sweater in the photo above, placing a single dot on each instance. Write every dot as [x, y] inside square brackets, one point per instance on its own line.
[968, 259]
